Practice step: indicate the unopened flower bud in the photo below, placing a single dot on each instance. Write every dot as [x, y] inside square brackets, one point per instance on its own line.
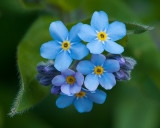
[45, 80]
[122, 75]
[39, 76]
[130, 63]
[40, 67]
[56, 90]
[117, 57]
[50, 70]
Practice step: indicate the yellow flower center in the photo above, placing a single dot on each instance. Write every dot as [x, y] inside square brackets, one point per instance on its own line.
[98, 70]
[70, 80]
[102, 36]
[66, 45]
[80, 94]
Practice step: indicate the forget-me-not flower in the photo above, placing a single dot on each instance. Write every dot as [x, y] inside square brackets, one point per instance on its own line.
[83, 101]
[101, 35]
[69, 81]
[98, 71]
[65, 47]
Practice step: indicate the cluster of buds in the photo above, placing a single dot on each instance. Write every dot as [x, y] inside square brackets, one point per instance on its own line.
[126, 66]
[46, 72]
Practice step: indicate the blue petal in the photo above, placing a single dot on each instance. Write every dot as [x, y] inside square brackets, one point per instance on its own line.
[50, 49]
[75, 88]
[58, 80]
[91, 82]
[79, 78]
[73, 34]
[98, 59]
[95, 47]
[78, 51]
[100, 21]
[87, 33]
[98, 96]
[116, 31]
[65, 101]
[113, 47]
[85, 67]
[65, 88]
[111, 65]
[83, 105]
[63, 61]
[107, 80]
[68, 72]
[58, 31]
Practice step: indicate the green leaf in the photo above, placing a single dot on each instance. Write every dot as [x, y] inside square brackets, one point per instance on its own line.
[123, 41]
[133, 28]
[31, 92]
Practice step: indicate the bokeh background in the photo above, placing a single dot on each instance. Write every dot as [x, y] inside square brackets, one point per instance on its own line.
[132, 104]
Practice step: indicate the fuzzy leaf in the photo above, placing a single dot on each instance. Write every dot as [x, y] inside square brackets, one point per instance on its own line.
[31, 92]
[137, 28]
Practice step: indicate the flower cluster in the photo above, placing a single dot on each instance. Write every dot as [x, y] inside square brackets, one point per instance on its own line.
[78, 82]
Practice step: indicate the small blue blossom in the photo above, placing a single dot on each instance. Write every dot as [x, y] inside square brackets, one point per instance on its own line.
[101, 35]
[83, 101]
[70, 82]
[65, 47]
[98, 71]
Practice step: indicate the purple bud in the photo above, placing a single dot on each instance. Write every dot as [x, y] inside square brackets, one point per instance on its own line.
[127, 75]
[45, 80]
[117, 57]
[56, 90]
[39, 76]
[40, 67]
[122, 75]
[121, 61]
[130, 63]
[50, 70]
[119, 75]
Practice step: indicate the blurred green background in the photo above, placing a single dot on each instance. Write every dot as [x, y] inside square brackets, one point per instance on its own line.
[131, 104]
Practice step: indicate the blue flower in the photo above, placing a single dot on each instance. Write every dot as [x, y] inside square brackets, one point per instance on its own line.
[65, 47]
[101, 35]
[83, 101]
[98, 71]
[69, 81]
